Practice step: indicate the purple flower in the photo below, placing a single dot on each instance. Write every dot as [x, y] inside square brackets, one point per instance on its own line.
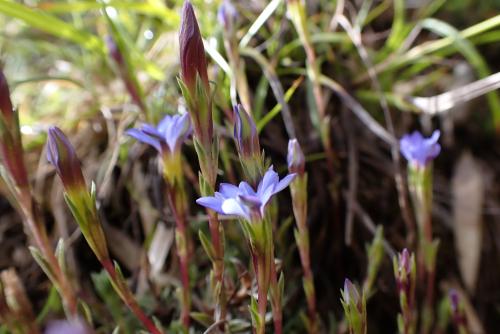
[295, 157]
[418, 150]
[168, 136]
[243, 201]
[67, 327]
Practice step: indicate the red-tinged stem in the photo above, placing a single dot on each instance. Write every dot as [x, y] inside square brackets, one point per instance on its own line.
[218, 264]
[128, 298]
[177, 203]
[42, 242]
[259, 267]
[276, 300]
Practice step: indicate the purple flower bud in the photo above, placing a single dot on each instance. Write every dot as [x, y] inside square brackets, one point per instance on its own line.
[62, 155]
[114, 51]
[5, 103]
[351, 293]
[245, 133]
[11, 149]
[404, 261]
[419, 151]
[192, 52]
[295, 157]
[454, 300]
[243, 201]
[227, 15]
[457, 309]
[67, 327]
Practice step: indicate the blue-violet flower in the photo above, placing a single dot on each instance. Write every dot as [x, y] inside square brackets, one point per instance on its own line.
[419, 151]
[243, 201]
[168, 136]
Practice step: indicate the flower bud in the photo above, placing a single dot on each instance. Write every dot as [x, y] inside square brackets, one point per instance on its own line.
[62, 155]
[354, 308]
[192, 52]
[11, 148]
[457, 310]
[405, 273]
[295, 157]
[350, 293]
[6, 108]
[245, 133]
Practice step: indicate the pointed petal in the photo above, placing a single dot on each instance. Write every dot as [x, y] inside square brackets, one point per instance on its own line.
[142, 137]
[284, 183]
[211, 203]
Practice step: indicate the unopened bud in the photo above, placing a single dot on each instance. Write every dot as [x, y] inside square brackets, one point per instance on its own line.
[295, 157]
[192, 52]
[62, 155]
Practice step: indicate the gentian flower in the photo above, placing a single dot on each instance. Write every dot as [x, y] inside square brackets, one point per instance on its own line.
[62, 155]
[419, 151]
[295, 157]
[67, 327]
[168, 136]
[243, 201]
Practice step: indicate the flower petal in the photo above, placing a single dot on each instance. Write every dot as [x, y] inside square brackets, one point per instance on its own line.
[269, 180]
[142, 137]
[233, 207]
[284, 183]
[210, 202]
[228, 190]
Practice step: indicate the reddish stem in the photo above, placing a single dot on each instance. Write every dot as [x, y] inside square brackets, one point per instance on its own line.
[128, 298]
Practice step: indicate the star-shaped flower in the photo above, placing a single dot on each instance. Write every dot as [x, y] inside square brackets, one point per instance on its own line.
[168, 136]
[419, 151]
[243, 201]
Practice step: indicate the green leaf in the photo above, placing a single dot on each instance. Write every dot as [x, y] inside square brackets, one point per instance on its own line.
[202, 318]
[207, 245]
[44, 264]
[52, 25]
[170, 17]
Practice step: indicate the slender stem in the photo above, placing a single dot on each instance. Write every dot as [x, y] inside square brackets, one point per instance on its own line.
[276, 300]
[259, 264]
[42, 242]
[178, 204]
[218, 264]
[128, 297]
